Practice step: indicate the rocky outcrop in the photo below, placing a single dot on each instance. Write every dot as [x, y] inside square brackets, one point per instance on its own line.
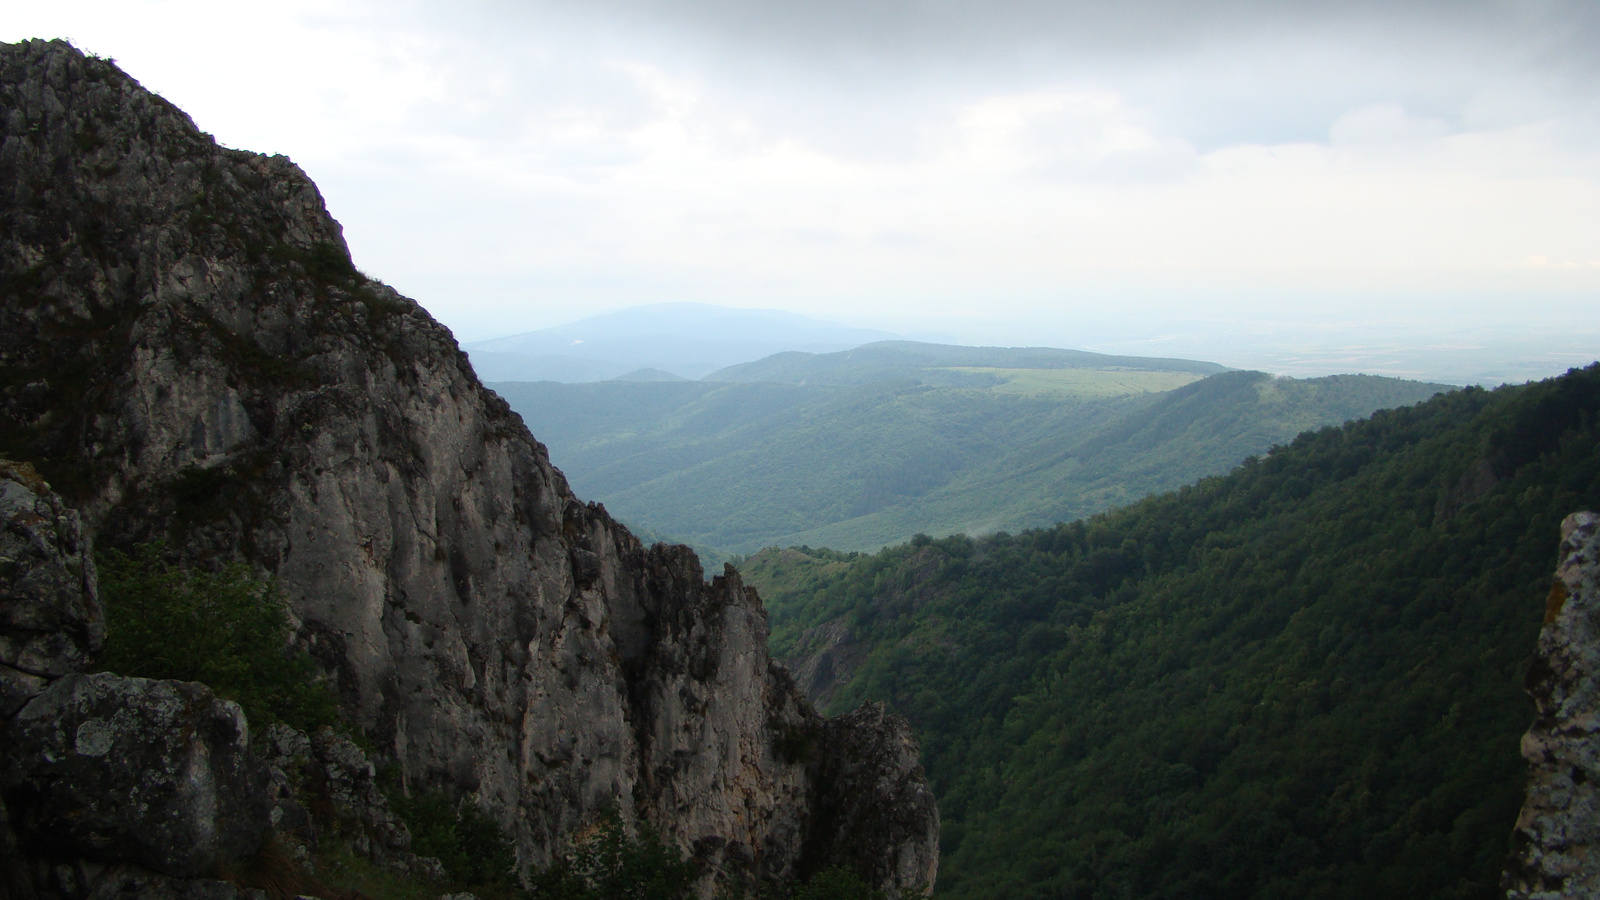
[1556, 844]
[187, 351]
[825, 657]
[50, 618]
[130, 770]
[324, 786]
[108, 785]
[873, 794]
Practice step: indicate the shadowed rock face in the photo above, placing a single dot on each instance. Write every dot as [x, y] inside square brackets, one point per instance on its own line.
[50, 618]
[187, 351]
[1556, 844]
[825, 657]
[129, 770]
[152, 776]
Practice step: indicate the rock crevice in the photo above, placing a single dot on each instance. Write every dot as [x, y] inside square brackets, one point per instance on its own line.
[1556, 843]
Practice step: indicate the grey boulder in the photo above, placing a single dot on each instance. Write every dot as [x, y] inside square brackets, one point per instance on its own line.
[156, 773]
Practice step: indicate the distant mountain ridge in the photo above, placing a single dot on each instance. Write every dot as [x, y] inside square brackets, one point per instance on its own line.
[688, 340]
[938, 364]
[863, 448]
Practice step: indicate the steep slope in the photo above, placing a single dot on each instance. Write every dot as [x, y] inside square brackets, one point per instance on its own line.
[1301, 679]
[1560, 819]
[741, 466]
[187, 352]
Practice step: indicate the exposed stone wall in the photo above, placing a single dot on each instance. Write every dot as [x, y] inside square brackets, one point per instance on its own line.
[825, 657]
[129, 770]
[1556, 844]
[107, 784]
[188, 352]
[50, 618]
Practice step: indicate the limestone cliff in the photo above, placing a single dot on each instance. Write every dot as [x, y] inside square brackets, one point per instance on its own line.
[1556, 844]
[187, 351]
[50, 619]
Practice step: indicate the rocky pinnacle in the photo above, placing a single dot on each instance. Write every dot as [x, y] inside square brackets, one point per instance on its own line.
[188, 353]
[1556, 844]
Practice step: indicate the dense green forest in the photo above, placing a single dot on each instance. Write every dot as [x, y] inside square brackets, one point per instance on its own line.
[733, 467]
[1301, 679]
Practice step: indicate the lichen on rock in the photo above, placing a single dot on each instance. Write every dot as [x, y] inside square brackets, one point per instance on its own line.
[130, 770]
[1556, 843]
[51, 622]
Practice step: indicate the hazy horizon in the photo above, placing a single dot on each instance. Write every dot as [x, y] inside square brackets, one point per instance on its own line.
[1471, 359]
[1329, 187]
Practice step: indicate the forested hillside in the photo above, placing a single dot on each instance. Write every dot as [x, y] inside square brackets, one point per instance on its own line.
[1301, 679]
[860, 463]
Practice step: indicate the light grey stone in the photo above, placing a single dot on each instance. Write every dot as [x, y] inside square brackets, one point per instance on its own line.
[1557, 839]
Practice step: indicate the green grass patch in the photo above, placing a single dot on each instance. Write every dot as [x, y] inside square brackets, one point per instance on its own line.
[1079, 382]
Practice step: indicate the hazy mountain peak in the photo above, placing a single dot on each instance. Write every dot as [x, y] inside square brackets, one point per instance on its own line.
[688, 340]
[938, 363]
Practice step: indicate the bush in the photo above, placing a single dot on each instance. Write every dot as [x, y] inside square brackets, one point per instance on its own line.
[471, 845]
[837, 883]
[228, 630]
[608, 866]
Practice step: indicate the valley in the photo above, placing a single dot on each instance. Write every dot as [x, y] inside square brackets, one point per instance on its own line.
[1300, 679]
[858, 449]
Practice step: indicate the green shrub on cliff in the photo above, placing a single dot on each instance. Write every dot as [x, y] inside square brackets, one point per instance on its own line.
[837, 883]
[226, 629]
[608, 865]
[471, 846]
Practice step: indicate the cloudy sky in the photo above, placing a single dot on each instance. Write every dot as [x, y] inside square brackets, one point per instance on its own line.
[1300, 186]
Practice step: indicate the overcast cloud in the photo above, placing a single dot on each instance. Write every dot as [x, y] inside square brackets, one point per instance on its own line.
[1297, 181]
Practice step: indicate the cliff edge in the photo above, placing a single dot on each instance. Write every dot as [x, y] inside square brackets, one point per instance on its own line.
[1556, 844]
[187, 352]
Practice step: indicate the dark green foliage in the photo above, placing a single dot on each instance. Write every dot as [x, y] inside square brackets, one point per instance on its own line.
[1298, 680]
[472, 847]
[836, 883]
[324, 263]
[225, 629]
[608, 865]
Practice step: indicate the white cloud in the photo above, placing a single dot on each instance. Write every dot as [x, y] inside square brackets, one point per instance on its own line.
[1384, 123]
[516, 166]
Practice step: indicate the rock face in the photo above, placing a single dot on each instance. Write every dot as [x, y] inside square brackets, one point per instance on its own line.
[129, 770]
[50, 618]
[1556, 844]
[187, 351]
[825, 657]
[330, 772]
[876, 796]
[106, 783]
